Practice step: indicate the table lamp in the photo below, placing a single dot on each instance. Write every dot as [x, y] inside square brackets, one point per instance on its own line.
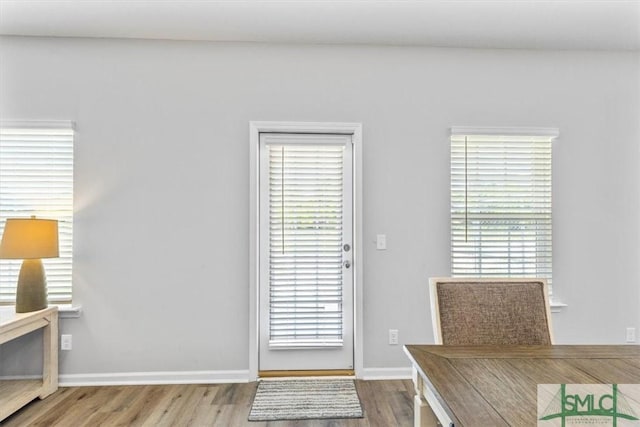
[30, 239]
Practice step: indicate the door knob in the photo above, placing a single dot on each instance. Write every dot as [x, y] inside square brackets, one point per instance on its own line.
[347, 264]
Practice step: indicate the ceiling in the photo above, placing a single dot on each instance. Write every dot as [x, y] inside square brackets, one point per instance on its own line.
[528, 24]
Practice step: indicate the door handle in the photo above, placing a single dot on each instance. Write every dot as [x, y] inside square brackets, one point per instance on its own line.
[347, 264]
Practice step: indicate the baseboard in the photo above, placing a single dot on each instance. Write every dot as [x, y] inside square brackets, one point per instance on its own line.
[150, 378]
[386, 373]
[192, 377]
[20, 377]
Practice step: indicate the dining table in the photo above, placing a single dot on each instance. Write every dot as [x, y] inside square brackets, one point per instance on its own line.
[500, 385]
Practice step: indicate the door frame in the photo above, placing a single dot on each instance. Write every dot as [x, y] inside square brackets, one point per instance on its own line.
[353, 129]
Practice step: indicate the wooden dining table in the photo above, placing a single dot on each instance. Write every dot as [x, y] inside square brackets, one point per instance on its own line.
[498, 385]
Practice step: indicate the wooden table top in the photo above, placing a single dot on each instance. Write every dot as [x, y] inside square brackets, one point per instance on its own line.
[10, 319]
[497, 385]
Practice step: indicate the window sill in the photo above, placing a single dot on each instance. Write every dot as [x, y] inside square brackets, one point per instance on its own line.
[557, 307]
[69, 311]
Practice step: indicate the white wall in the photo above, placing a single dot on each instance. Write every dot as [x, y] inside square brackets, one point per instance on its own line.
[162, 158]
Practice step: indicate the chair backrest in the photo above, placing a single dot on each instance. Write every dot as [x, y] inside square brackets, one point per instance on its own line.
[490, 311]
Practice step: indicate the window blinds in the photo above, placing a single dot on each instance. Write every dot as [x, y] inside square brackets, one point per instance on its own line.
[305, 238]
[36, 178]
[501, 222]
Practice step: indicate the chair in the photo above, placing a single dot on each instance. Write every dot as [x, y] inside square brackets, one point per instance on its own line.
[490, 311]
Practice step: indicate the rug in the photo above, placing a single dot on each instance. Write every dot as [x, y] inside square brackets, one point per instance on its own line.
[303, 399]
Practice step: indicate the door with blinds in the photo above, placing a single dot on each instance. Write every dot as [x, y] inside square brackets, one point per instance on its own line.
[305, 259]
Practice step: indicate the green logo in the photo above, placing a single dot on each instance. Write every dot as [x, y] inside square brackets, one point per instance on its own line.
[586, 404]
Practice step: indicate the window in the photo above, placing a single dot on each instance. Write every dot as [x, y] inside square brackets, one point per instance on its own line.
[36, 178]
[501, 202]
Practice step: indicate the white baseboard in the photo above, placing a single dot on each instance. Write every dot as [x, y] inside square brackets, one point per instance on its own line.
[192, 377]
[20, 377]
[386, 373]
[150, 378]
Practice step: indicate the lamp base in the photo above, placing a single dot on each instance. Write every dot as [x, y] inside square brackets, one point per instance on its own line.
[31, 294]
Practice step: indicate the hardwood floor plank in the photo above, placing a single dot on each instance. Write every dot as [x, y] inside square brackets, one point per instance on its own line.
[401, 403]
[167, 416]
[385, 404]
[28, 418]
[76, 408]
[204, 409]
[143, 399]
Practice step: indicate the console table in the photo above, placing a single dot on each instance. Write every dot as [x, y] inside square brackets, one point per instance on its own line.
[14, 394]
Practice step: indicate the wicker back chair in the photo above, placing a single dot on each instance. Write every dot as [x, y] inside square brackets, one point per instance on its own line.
[490, 311]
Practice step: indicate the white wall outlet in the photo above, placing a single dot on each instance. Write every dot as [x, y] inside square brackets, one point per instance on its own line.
[66, 342]
[381, 242]
[393, 337]
[631, 334]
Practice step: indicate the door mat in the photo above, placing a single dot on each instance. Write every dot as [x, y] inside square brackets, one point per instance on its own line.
[304, 399]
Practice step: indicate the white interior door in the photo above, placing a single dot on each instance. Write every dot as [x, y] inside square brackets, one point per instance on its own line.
[306, 247]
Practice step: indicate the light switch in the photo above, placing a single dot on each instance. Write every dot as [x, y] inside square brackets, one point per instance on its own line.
[381, 242]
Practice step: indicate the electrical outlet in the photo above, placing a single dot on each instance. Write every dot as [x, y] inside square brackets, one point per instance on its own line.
[66, 342]
[393, 337]
[631, 334]
[381, 242]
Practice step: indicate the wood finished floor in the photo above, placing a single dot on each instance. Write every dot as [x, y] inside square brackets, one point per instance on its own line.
[385, 404]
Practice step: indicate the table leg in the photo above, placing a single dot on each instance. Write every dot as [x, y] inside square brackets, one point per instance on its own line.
[50, 357]
[423, 416]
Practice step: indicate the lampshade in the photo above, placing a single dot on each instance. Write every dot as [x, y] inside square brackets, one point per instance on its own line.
[29, 238]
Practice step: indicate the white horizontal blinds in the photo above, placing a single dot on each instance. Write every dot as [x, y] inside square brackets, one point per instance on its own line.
[36, 178]
[501, 205]
[305, 244]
